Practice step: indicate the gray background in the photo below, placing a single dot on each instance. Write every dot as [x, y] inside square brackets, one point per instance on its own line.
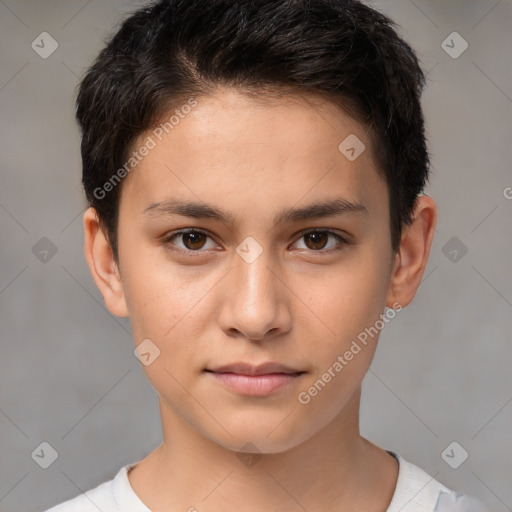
[68, 375]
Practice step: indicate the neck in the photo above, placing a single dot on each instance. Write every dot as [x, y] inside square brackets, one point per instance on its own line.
[330, 471]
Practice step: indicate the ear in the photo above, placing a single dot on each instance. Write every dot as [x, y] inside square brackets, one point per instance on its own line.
[412, 257]
[102, 265]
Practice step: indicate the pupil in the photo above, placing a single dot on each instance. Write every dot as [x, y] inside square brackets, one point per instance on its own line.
[193, 237]
[316, 237]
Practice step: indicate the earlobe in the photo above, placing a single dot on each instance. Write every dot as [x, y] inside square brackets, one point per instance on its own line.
[412, 258]
[102, 265]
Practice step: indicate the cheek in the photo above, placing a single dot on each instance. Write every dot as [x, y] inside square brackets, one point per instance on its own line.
[166, 309]
[348, 306]
[158, 293]
[351, 295]
[167, 305]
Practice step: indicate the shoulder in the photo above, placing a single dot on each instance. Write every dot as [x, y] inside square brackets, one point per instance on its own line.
[115, 495]
[417, 491]
[101, 497]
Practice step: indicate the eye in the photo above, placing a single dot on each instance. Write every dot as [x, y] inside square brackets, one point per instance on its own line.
[193, 239]
[316, 240]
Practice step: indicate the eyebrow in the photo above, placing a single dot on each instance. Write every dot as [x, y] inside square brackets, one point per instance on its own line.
[321, 210]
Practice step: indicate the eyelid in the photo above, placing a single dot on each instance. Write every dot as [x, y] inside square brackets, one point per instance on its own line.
[343, 235]
[166, 240]
[343, 239]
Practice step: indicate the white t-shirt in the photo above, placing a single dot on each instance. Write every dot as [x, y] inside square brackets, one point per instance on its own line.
[415, 491]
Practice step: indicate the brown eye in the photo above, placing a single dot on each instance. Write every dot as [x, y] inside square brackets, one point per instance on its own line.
[194, 242]
[317, 241]
[191, 241]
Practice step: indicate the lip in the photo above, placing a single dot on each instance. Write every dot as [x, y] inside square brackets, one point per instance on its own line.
[241, 368]
[249, 380]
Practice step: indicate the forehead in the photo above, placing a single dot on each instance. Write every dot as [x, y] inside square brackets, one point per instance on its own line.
[244, 152]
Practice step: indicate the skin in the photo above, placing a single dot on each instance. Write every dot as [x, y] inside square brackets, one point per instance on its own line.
[292, 305]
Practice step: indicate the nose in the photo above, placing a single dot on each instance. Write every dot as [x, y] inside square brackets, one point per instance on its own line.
[255, 300]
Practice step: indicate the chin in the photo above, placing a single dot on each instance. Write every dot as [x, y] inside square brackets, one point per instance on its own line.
[260, 437]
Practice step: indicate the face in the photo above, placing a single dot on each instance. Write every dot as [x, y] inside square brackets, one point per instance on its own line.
[259, 275]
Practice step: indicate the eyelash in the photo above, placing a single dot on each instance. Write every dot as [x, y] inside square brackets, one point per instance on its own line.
[342, 241]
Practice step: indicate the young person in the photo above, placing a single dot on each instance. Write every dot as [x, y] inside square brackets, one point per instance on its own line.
[254, 172]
